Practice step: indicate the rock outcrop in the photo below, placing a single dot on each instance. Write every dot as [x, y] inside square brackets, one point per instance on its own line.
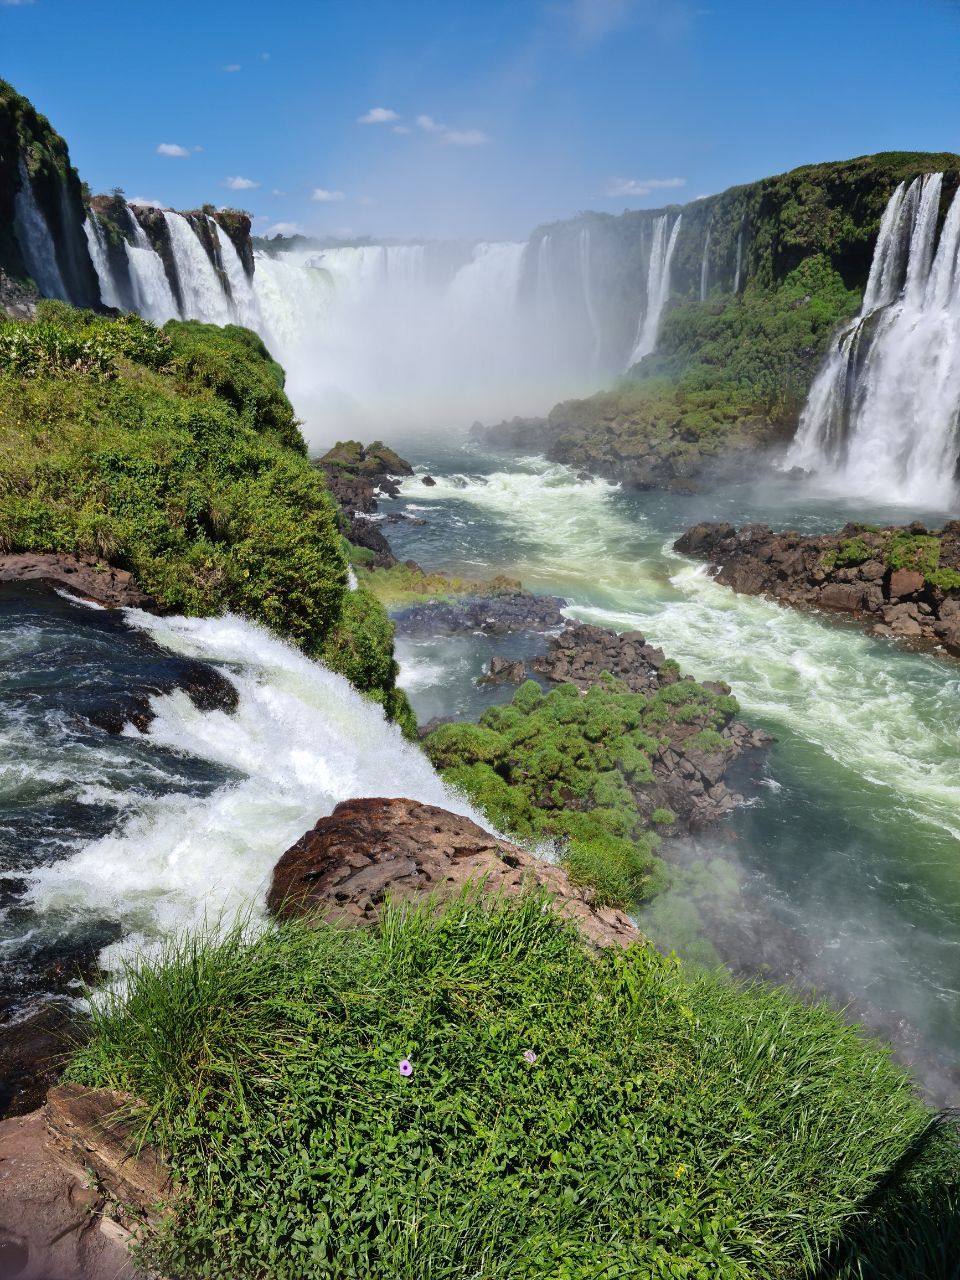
[356, 474]
[903, 581]
[346, 866]
[81, 576]
[74, 1187]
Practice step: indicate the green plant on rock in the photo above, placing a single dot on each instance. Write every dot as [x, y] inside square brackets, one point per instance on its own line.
[571, 767]
[175, 454]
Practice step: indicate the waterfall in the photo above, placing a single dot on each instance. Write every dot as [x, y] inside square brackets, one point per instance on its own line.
[882, 415]
[152, 296]
[736, 273]
[36, 243]
[587, 285]
[97, 245]
[705, 267]
[658, 286]
[203, 294]
[245, 304]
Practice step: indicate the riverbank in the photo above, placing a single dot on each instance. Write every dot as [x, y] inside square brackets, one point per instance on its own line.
[902, 581]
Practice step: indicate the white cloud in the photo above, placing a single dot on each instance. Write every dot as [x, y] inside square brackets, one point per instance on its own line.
[146, 200]
[232, 66]
[277, 192]
[641, 186]
[196, 148]
[378, 115]
[455, 137]
[240, 184]
[400, 128]
[172, 149]
[282, 229]
[323, 196]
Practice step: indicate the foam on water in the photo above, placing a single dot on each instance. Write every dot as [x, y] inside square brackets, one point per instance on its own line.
[302, 740]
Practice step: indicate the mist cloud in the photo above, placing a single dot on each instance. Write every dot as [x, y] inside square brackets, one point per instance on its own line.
[641, 186]
[378, 115]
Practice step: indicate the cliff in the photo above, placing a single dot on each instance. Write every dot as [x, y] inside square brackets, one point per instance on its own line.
[42, 207]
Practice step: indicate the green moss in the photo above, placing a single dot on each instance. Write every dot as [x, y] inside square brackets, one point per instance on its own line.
[853, 551]
[571, 768]
[920, 552]
[672, 1125]
[175, 454]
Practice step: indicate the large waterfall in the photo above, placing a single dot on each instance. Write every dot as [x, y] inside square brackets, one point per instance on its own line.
[35, 241]
[658, 286]
[883, 415]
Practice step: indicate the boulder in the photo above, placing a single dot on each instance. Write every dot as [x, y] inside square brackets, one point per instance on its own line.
[503, 671]
[905, 582]
[346, 866]
[842, 595]
[82, 576]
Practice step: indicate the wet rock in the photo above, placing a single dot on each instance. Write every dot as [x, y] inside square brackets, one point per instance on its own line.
[207, 688]
[33, 1050]
[497, 614]
[429, 482]
[343, 869]
[503, 671]
[82, 576]
[846, 571]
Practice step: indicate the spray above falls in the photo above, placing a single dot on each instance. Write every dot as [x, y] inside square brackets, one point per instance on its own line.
[883, 415]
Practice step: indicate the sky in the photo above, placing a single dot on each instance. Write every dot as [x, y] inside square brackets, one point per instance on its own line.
[474, 118]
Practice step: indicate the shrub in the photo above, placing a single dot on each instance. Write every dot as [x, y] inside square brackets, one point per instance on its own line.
[669, 1125]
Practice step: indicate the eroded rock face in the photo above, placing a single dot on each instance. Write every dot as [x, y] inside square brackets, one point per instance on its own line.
[356, 475]
[848, 571]
[89, 579]
[368, 849]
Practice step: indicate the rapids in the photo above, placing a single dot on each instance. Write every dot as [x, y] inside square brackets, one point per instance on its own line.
[841, 873]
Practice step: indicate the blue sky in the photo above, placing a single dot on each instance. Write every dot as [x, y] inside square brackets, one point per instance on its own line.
[489, 116]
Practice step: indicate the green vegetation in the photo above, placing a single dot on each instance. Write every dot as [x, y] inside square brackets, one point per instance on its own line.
[403, 584]
[570, 1114]
[175, 454]
[572, 768]
[896, 549]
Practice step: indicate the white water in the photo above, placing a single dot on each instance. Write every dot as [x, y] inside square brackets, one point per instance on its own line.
[153, 298]
[658, 286]
[246, 308]
[705, 268]
[97, 245]
[200, 287]
[35, 241]
[303, 740]
[885, 716]
[587, 282]
[882, 416]
[736, 273]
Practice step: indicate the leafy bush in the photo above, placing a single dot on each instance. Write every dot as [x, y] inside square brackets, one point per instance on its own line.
[570, 1114]
[175, 454]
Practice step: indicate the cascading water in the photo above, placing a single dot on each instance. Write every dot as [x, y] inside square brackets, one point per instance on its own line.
[705, 268]
[658, 286]
[739, 265]
[96, 243]
[203, 294]
[245, 305]
[883, 415]
[585, 277]
[36, 243]
[152, 296]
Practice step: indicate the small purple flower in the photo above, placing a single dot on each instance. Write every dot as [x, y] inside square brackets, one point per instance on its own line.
[529, 1056]
[406, 1067]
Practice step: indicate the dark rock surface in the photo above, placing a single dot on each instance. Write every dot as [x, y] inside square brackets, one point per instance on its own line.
[847, 572]
[495, 614]
[356, 475]
[345, 867]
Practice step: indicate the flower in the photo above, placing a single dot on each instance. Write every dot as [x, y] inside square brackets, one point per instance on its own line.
[406, 1067]
[529, 1056]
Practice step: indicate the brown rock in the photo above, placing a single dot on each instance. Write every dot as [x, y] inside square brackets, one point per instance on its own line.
[51, 1221]
[89, 579]
[842, 595]
[368, 849]
[905, 582]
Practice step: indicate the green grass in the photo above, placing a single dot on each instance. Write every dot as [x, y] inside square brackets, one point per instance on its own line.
[175, 453]
[671, 1125]
[572, 769]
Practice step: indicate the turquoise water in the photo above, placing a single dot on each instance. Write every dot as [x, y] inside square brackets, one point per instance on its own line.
[842, 873]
